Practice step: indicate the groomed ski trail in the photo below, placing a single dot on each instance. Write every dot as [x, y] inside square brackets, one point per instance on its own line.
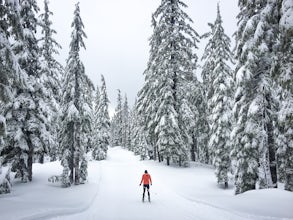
[119, 195]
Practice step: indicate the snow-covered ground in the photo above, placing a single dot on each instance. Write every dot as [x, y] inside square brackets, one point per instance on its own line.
[113, 193]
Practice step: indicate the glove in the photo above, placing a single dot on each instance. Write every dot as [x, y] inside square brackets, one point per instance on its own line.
[140, 184]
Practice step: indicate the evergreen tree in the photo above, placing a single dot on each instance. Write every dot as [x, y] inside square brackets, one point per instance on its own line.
[169, 137]
[87, 125]
[199, 148]
[76, 109]
[11, 75]
[96, 151]
[284, 78]
[220, 91]
[125, 124]
[102, 123]
[170, 67]
[116, 124]
[146, 104]
[253, 138]
[104, 118]
[138, 136]
[197, 133]
[10, 70]
[52, 71]
[27, 123]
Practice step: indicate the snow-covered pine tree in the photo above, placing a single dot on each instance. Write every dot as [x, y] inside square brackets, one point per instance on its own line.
[26, 117]
[96, 151]
[147, 106]
[5, 182]
[116, 123]
[171, 65]
[199, 147]
[52, 71]
[207, 76]
[267, 34]
[104, 118]
[125, 124]
[195, 100]
[169, 137]
[102, 123]
[138, 136]
[11, 76]
[220, 93]
[87, 125]
[5, 86]
[284, 78]
[133, 128]
[253, 138]
[9, 67]
[76, 109]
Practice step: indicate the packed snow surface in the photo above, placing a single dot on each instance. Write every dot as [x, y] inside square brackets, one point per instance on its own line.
[113, 192]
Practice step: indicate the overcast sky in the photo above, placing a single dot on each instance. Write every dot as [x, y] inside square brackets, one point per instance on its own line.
[117, 31]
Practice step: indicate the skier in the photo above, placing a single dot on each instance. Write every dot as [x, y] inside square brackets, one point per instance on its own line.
[146, 180]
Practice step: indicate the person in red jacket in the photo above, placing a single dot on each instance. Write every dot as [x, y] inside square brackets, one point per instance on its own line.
[146, 180]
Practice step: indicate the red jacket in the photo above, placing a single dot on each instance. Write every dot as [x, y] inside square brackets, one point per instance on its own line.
[146, 179]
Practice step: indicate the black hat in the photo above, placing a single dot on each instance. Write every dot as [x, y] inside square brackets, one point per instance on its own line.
[145, 171]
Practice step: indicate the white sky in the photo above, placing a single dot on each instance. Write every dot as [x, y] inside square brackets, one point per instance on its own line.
[118, 31]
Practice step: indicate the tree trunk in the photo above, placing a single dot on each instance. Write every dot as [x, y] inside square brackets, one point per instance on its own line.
[272, 155]
[193, 150]
[30, 163]
[77, 170]
[289, 170]
[30, 154]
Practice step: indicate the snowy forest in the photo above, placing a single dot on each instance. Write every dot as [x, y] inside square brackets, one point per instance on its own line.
[234, 112]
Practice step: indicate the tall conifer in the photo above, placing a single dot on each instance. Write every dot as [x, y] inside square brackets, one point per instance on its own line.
[27, 118]
[220, 93]
[52, 71]
[170, 67]
[76, 109]
[284, 78]
[254, 150]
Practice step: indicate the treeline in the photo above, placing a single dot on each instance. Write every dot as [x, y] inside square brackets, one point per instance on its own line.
[46, 110]
[237, 114]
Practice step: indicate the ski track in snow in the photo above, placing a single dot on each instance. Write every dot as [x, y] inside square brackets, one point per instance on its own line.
[119, 196]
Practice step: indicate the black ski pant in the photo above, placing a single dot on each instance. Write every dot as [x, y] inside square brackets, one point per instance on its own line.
[146, 186]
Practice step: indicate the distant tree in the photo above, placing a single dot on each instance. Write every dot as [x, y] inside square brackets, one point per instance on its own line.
[219, 100]
[116, 123]
[105, 118]
[125, 124]
[102, 123]
[76, 111]
[96, 151]
[138, 136]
